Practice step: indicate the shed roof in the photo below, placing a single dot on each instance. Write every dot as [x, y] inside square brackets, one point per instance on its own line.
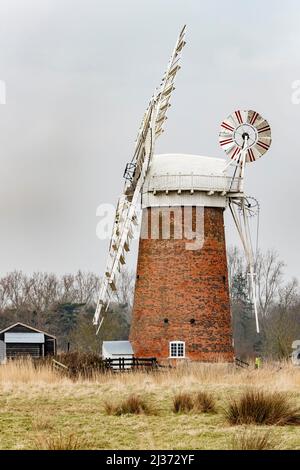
[26, 326]
[118, 347]
[36, 338]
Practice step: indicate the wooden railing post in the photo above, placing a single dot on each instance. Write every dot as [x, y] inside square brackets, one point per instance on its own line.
[122, 363]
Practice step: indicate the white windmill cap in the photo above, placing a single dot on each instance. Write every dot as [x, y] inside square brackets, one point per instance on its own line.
[176, 163]
[185, 180]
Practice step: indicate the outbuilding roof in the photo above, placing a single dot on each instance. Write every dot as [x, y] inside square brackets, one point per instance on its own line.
[35, 338]
[26, 326]
[118, 347]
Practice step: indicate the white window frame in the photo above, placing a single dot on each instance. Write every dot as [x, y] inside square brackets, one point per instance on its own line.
[177, 343]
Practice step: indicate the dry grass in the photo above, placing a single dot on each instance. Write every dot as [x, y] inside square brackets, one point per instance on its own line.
[60, 442]
[251, 439]
[40, 404]
[133, 405]
[204, 402]
[42, 423]
[260, 407]
[279, 376]
[26, 372]
[201, 402]
[183, 403]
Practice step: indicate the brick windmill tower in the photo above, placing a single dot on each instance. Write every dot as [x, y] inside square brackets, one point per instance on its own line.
[181, 304]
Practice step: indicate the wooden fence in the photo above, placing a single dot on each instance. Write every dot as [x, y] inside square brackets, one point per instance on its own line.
[242, 364]
[118, 364]
[124, 363]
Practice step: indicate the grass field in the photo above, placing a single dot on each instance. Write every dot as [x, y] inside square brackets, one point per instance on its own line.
[39, 409]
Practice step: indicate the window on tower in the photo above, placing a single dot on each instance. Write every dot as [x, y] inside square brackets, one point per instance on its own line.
[177, 349]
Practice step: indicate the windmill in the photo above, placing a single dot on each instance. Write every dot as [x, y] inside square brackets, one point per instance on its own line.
[181, 304]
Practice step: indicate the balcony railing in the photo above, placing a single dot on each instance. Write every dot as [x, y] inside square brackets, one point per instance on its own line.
[192, 182]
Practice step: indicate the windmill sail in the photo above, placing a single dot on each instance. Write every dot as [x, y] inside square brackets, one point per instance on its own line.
[151, 128]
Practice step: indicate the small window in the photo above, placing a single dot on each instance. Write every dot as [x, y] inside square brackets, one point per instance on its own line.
[166, 320]
[177, 349]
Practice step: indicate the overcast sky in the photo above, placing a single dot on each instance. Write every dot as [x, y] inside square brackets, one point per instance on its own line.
[79, 74]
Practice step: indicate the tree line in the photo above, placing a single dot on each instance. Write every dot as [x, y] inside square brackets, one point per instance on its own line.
[278, 302]
[64, 306]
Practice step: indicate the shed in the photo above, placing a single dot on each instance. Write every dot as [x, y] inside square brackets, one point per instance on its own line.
[116, 349]
[296, 357]
[24, 340]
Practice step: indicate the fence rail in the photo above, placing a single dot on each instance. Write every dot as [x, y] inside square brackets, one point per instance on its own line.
[125, 363]
[59, 366]
[240, 363]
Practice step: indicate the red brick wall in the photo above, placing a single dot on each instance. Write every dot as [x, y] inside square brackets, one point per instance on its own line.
[180, 285]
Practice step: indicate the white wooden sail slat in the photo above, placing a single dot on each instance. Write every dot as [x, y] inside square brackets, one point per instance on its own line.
[165, 107]
[168, 90]
[159, 132]
[167, 86]
[174, 70]
[161, 118]
[180, 46]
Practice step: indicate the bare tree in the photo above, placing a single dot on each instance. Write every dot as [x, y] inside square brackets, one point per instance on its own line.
[16, 287]
[86, 286]
[66, 291]
[269, 273]
[281, 328]
[125, 292]
[43, 290]
[235, 263]
[79, 288]
[289, 295]
[4, 297]
[282, 324]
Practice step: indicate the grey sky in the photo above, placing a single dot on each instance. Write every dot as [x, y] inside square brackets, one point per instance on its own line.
[79, 74]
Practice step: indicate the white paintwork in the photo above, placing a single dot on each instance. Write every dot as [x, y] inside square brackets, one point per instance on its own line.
[187, 180]
[175, 163]
[116, 349]
[239, 125]
[2, 352]
[182, 343]
[184, 199]
[37, 338]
